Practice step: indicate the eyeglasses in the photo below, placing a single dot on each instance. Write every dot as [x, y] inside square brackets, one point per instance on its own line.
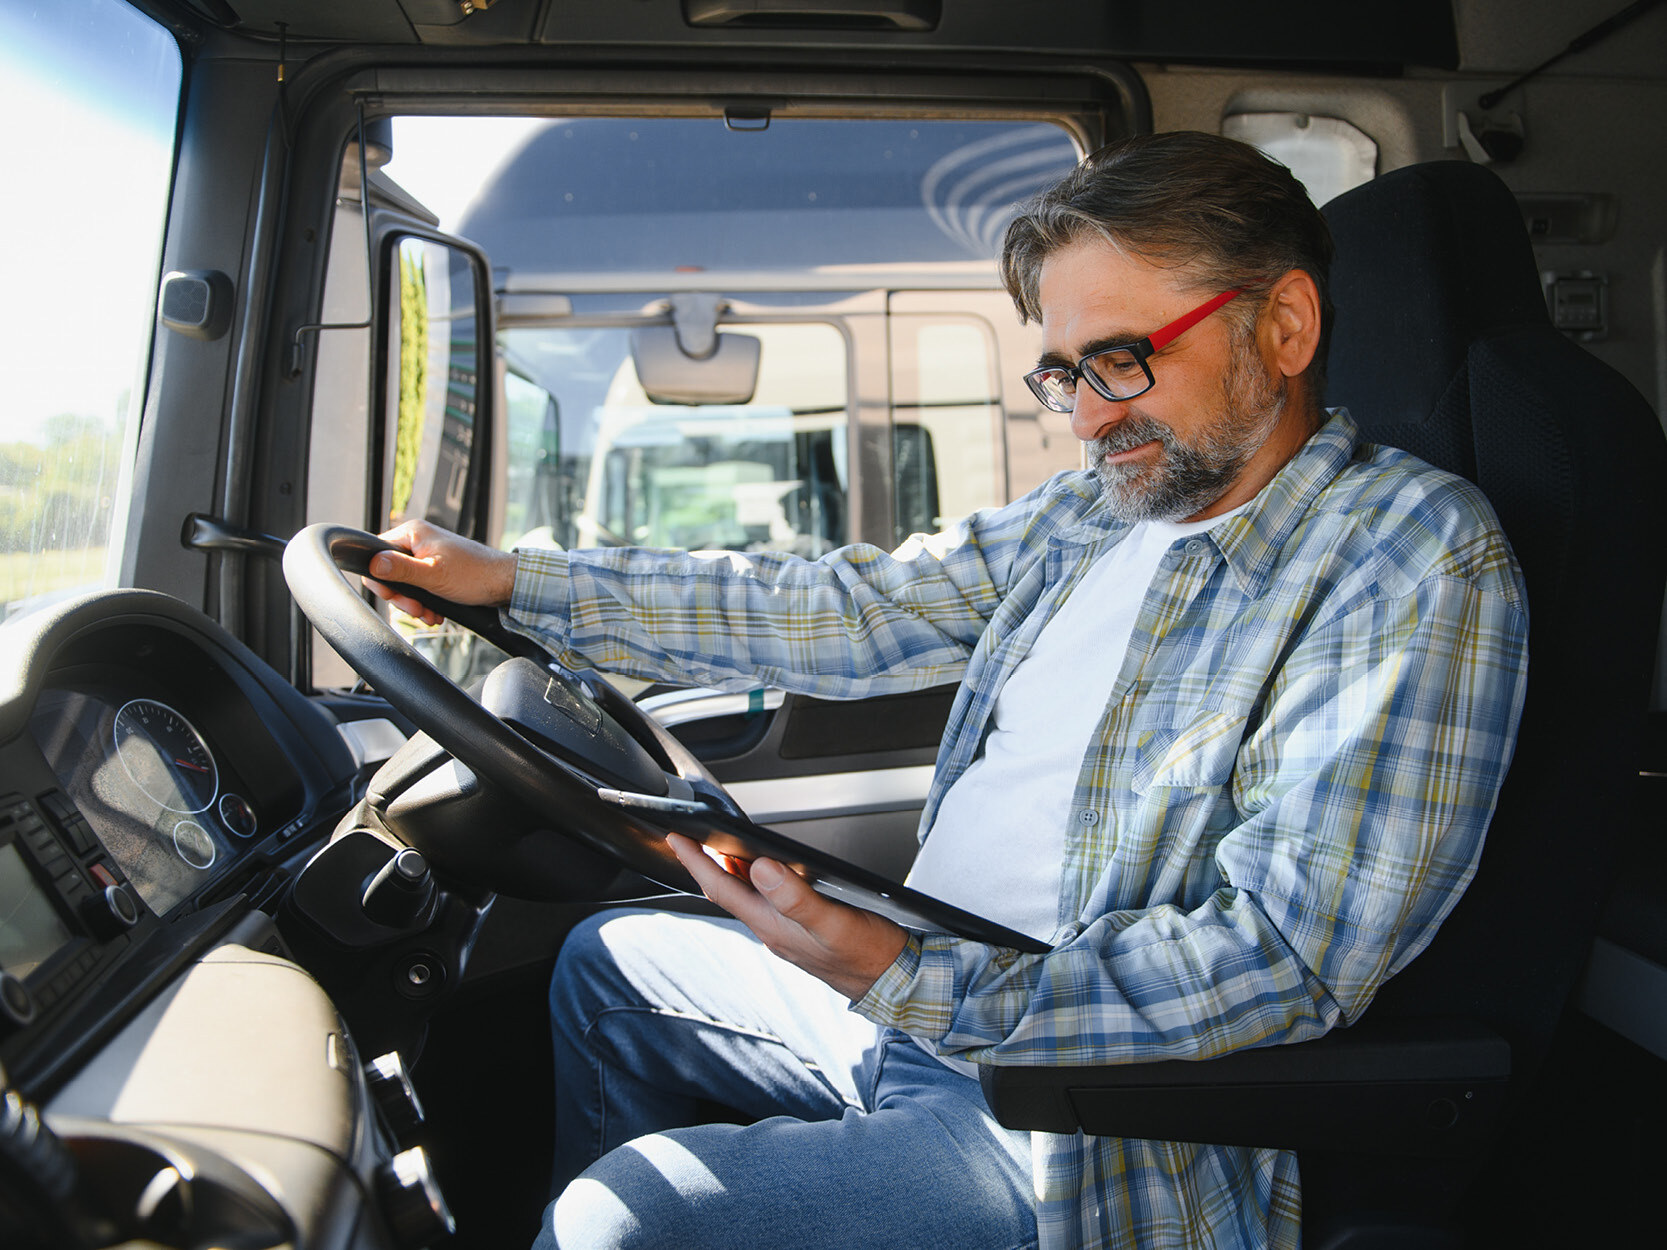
[1117, 372]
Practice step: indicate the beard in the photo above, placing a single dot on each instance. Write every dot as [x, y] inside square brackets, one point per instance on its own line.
[1188, 477]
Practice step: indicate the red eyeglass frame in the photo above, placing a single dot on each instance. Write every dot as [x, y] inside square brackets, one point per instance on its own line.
[1140, 350]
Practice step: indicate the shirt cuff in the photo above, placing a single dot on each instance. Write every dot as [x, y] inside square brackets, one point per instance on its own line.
[919, 992]
[540, 600]
[891, 987]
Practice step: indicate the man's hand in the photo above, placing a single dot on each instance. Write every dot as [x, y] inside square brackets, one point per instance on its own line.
[452, 567]
[844, 946]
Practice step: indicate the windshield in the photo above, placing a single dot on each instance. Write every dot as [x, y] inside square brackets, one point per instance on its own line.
[658, 196]
[767, 339]
[90, 93]
[593, 463]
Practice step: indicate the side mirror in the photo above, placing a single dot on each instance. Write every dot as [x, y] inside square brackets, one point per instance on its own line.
[438, 383]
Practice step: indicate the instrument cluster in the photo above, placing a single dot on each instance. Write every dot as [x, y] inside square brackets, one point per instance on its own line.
[172, 752]
[151, 785]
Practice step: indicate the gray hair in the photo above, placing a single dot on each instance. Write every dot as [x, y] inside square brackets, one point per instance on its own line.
[1222, 212]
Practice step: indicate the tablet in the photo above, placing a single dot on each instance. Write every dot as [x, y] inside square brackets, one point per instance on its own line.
[835, 878]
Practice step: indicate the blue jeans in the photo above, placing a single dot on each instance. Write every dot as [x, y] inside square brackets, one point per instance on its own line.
[858, 1137]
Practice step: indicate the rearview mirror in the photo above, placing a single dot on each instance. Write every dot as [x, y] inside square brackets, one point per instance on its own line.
[728, 374]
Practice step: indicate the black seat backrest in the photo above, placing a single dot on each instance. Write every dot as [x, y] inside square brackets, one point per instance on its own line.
[1442, 346]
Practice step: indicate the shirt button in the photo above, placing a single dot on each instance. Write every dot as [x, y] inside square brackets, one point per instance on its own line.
[1196, 546]
[1089, 816]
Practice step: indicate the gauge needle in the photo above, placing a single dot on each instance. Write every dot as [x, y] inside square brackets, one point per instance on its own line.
[188, 764]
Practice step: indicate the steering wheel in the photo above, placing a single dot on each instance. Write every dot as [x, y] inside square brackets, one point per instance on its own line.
[573, 753]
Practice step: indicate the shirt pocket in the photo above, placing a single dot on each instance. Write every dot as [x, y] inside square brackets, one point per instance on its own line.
[1197, 754]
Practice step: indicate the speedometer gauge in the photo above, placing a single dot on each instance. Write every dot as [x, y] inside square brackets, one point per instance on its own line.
[165, 756]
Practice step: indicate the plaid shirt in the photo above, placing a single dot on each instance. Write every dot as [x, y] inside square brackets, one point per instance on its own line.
[1286, 794]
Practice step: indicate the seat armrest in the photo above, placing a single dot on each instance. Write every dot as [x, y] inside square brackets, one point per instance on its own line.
[1403, 1086]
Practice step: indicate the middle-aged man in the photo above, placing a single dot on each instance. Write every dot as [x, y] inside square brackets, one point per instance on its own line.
[1236, 702]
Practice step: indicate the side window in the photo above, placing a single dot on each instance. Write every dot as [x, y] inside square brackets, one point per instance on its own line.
[947, 454]
[537, 505]
[92, 94]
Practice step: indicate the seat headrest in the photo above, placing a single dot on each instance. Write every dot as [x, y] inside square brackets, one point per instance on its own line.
[1430, 259]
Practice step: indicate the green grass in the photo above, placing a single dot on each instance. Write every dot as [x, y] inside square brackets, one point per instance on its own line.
[24, 574]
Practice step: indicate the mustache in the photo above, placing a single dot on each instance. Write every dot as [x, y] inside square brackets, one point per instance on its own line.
[1129, 433]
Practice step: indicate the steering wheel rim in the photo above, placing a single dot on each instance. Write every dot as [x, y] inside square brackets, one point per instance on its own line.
[630, 827]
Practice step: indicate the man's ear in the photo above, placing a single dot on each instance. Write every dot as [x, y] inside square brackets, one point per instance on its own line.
[1290, 331]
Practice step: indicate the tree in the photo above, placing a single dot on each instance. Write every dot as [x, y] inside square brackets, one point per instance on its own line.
[59, 496]
[413, 375]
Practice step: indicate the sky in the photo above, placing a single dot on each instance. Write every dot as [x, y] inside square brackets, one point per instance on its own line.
[87, 156]
[444, 160]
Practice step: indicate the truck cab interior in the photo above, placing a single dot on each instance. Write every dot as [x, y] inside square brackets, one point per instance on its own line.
[283, 876]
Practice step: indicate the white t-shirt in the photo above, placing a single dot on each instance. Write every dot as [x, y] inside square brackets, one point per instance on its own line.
[997, 844]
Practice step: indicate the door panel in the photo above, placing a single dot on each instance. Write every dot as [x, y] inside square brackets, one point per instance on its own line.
[850, 777]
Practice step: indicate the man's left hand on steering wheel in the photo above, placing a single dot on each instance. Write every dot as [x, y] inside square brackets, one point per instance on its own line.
[444, 564]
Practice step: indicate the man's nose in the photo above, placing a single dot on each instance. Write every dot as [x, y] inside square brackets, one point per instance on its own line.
[1094, 414]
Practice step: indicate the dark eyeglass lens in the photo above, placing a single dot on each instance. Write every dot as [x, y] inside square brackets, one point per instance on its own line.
[1119, 371]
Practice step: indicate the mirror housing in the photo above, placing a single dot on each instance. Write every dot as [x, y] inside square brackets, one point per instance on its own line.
[689, 361]
[669, 375]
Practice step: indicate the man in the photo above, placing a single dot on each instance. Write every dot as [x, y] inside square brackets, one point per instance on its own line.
[1236, 704]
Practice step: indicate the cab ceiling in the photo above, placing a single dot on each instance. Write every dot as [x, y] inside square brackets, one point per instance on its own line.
[1385, 35]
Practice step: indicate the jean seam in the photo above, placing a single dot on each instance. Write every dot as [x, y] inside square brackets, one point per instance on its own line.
[882, 1047]
[600, 1077]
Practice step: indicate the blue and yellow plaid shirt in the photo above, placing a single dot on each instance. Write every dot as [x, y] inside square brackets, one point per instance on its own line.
[1286, 794]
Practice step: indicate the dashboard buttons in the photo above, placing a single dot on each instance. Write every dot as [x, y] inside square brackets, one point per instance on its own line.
[412, 1203]
[70, 821]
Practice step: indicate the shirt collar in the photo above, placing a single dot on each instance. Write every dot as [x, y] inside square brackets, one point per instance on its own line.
[1251, 541]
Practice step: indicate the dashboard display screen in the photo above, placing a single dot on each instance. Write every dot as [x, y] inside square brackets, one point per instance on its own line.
[148, 784]
[31, 930]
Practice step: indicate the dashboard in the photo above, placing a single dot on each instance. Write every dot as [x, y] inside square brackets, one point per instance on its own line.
[159, 787]
[151, 769]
